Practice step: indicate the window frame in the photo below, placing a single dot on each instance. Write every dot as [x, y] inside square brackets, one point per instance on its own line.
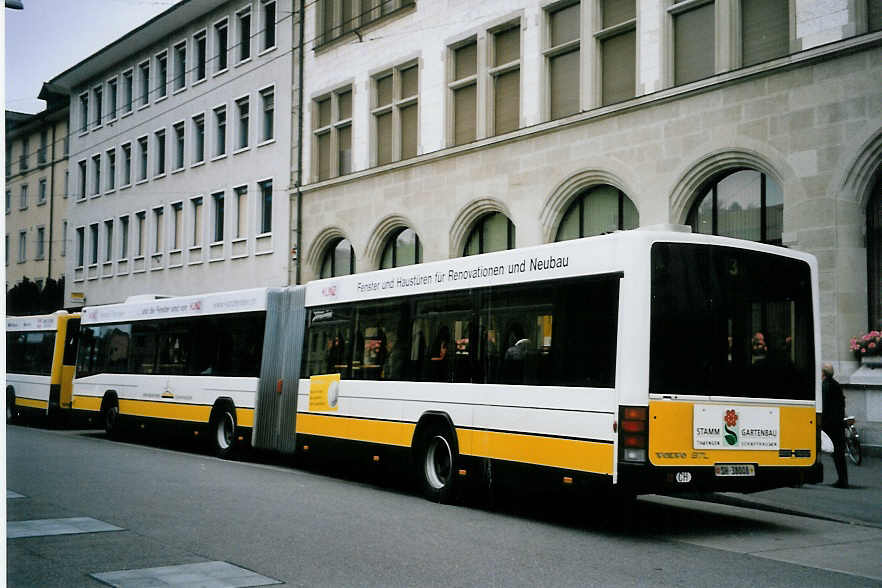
[395, 107]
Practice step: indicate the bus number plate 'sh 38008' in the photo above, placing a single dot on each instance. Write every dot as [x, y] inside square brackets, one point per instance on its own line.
[734, 469]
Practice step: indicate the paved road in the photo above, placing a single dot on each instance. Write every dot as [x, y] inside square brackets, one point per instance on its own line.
[310, 529]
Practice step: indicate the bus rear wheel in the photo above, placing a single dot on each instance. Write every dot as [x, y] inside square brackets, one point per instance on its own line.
[223, 430]
[10, 406]
[111, 419]
[435, 463]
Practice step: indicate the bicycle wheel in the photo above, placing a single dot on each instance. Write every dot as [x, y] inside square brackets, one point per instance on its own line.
[853, 446]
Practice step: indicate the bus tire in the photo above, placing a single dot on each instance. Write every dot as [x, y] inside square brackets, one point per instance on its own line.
[222, 427]
[110, 417]
[11, 411]
[436, 463]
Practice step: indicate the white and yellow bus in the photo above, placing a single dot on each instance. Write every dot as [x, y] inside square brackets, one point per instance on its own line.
[193, 361]
[40, 356]
[640, 361]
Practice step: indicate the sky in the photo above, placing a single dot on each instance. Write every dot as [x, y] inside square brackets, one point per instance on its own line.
[49, 36]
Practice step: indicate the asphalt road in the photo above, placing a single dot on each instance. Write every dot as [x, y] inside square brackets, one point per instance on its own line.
[304, 528]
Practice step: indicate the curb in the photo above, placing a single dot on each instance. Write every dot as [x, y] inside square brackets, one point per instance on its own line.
[765, 506]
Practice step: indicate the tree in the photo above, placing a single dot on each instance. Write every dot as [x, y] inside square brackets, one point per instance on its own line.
[27, 298]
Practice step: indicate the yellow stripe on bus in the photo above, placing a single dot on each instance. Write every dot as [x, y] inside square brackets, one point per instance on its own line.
[163, 410]
[31, 403]
[383, 432]
[571, 454]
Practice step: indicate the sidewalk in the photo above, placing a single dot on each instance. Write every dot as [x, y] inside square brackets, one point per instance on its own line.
[860, 504]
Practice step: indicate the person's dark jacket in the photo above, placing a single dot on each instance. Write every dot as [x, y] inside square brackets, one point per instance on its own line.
[834, 405]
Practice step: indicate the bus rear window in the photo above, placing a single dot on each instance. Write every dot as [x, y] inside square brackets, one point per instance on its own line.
[730, 322]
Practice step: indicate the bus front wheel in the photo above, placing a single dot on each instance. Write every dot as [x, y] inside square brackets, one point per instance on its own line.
[10, 406]
[436, 462]
[223, 430]
[111, 418]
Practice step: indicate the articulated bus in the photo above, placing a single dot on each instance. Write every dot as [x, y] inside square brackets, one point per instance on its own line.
[40, 355]
[636, 362]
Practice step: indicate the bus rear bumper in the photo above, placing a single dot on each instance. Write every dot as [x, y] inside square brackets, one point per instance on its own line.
[672, 480]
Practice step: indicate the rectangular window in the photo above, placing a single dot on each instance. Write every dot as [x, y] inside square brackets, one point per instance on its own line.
[127, 164]
[108, 241]
[505, 79]
[96, 174]
[124, 237]
[198, 138]
[694, 42]
[41, 242]
[199, 48]
[334, 135]
[144, 74]
[66, 182]
[220, 121]
[84, 113]
[563, 59]
[83, 179]
[244, 25]
[218, 225]
[269, 25]
[322, 132]
[161, 75]
[266, 206]
[23, 198]
[8, 201]
[177, 226]
[25, 152]
[111, 169]
[44, 143]
[41, 191]
[197, 221]
[99, 105]
[463, 86]
[22, 246]
[141, 227]
[180, 65]
[617, 39]
[160, 152]
[179, 145]
[267, 98]
[111, 99]
[158, 230]
[242, 108]
[765, 30]
[81, 246]
[395, 113]
[241, 212]
[220, 46]
[142, 158]
[93, 244]
[63, 238]
[128, 91]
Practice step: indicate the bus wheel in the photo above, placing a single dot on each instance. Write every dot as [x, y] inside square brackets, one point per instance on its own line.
[436, 466]
[111, 418]
[223, 430]
[10, 406]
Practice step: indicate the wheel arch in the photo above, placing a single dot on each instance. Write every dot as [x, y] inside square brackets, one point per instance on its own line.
[429, 421]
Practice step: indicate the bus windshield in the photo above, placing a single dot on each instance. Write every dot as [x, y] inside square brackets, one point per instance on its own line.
[730, 322]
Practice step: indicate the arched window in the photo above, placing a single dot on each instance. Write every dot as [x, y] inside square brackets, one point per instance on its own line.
[874, 257]
[492, 232]
[745, 204]
[402, 248]
[595, 211]
[339, 259]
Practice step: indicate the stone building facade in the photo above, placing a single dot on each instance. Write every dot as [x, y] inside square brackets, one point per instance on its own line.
[180, 154]
[37, 229]
[506, 117]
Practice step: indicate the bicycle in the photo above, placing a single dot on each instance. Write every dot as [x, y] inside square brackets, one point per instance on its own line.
[852, 441]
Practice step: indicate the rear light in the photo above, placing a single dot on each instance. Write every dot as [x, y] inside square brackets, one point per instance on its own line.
[633, 427]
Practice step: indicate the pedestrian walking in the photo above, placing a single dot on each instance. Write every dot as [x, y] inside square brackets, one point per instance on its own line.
[831, 422]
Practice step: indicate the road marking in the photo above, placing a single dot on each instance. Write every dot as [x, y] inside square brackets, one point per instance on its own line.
[209, 573]
[11, 494]
[46, 527]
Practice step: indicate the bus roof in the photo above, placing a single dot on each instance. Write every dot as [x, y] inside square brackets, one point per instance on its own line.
[37, 322]
[602, 254]
[250, 300]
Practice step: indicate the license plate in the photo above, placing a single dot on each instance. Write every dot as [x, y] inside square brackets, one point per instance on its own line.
[734, 469]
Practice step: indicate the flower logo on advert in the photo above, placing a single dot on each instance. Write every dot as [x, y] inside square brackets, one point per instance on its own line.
[329, 291]
[730, 419]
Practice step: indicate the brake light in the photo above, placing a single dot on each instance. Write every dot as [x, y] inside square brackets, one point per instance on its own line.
[633, 439]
